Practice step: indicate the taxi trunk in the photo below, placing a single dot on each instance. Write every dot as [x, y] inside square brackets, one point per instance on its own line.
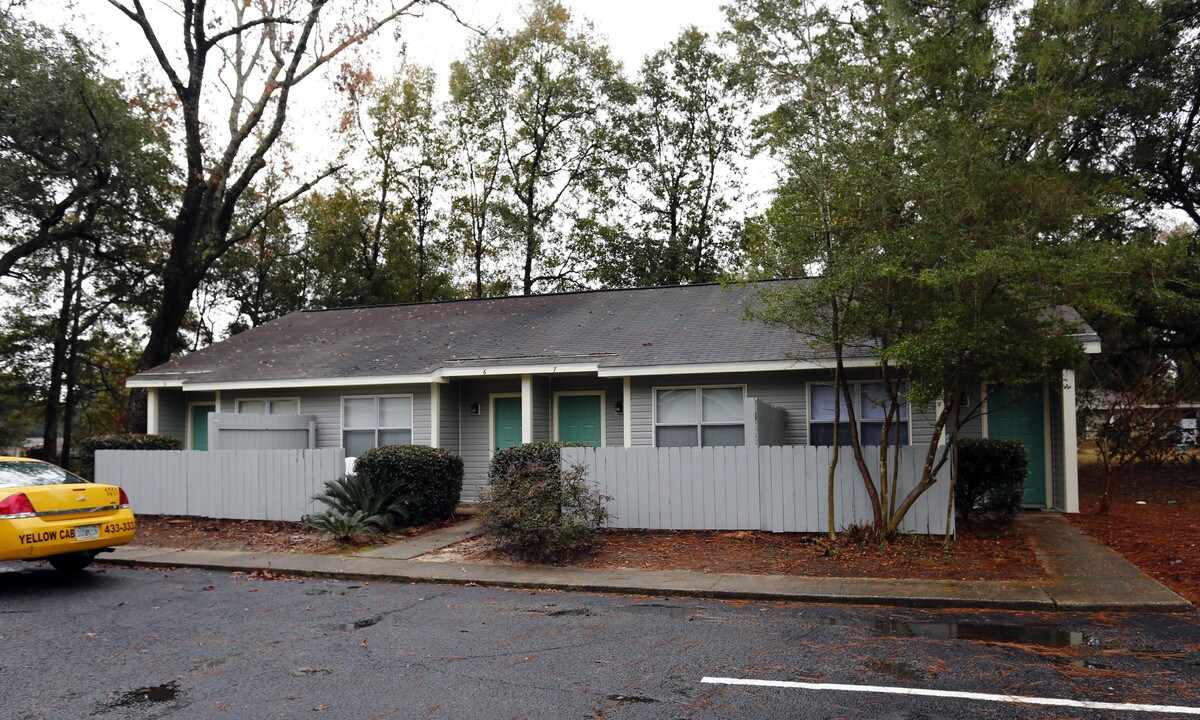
[69, 518]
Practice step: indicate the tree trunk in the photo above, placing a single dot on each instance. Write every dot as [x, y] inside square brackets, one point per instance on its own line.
[62, 328]
[179, 288]
[953, 471]
[1110, 489]
[856, 444]
[835, 455]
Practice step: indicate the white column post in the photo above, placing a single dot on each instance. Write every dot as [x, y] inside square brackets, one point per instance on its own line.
[526, 408]
[1070, 449]
[218, 401]
[151, 411]
[627, 411]
[435, 415]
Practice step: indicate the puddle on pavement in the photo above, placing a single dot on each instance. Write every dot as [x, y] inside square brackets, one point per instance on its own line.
[551, 610]
[352, 626]
[632, 698]
[900, 670]
[976, 632]
[673, 611]
[166, 692]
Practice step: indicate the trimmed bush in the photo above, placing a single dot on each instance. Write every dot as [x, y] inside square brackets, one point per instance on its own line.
[535, 510]
[428, 481]
[354, 507]
[121, 441]
[991, 479]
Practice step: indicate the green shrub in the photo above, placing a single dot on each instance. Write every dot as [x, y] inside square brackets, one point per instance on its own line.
[354, 506]
[535, 510]
[121, 441]
[429, 481]
[991, 479]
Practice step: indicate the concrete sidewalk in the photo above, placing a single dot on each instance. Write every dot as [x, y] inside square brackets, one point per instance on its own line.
[1083, 576]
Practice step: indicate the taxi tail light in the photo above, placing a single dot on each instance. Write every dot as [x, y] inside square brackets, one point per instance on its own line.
[124, 504]
[16, 506]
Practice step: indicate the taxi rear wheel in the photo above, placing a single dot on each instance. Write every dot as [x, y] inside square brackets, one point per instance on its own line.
[71, 563]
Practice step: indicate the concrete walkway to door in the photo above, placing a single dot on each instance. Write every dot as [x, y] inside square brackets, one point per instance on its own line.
[1082, 575]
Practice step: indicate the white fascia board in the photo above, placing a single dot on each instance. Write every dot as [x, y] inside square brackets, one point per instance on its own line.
[135, 383]
[704, 368]
[309, 383]
[438, 376]
[545, 369]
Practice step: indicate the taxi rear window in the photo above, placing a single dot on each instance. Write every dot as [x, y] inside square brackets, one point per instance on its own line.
[24, 474]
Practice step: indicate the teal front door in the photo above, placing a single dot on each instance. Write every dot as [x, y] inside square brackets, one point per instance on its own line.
[1020, 415]
[200, 425]
[506, 423]
[579, 419]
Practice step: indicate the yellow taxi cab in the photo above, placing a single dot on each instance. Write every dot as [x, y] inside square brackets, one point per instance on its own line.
[47, 512]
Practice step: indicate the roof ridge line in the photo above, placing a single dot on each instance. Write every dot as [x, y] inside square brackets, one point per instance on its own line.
[588, 291]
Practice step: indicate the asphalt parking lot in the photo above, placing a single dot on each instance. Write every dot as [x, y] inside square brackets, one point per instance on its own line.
[124, 643]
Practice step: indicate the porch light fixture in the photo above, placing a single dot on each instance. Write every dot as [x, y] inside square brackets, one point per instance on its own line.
[475, 408]
[619, 407]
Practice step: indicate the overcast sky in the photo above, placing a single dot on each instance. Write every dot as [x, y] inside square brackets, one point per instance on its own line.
[633, 28]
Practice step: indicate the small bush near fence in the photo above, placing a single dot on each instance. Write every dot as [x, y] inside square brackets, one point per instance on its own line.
[122, 441]
[355, 507]
[428, 481]
[991, 479]
[535, 510]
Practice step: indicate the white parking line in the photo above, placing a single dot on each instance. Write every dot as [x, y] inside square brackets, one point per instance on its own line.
[988, 697]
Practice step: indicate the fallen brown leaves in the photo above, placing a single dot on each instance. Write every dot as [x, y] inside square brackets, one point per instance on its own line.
[257, 535]
[981, 553]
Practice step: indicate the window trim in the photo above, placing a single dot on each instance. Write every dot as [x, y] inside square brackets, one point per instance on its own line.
[654, 424]
[581, 393]
[857, 396]
[412, 418]
[237, 403]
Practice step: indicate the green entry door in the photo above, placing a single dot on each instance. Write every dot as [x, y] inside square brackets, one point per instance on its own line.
[1019, 415]
[507, 422]
[579, 419]
[200, 425]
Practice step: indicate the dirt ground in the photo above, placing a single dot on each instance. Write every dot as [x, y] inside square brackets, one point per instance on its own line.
[1162, 535]
[981, 553]
[258, 535]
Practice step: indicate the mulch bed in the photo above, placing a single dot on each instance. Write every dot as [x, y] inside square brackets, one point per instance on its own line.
[982, 552]
[271, 536]
[1162, 537]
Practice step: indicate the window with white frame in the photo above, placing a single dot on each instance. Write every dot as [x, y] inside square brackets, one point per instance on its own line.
[369, 422]
[699, 417]
[268, 406]
[870, 410]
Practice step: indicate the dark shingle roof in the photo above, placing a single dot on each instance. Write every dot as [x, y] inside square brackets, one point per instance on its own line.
[635, 327]
[684, 325]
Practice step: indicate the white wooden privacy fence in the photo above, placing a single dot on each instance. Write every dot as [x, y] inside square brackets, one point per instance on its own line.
[235, 484]
[781, 489]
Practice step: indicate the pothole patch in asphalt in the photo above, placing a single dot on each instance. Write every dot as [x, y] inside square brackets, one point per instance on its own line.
[144, 696]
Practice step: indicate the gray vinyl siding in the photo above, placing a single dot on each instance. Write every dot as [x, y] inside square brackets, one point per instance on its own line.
[473, 434]
[972, 426]
[1058, 473]
[172, 413]
[613, 388]
[449, 423]
[541, 408]
[326, 404]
